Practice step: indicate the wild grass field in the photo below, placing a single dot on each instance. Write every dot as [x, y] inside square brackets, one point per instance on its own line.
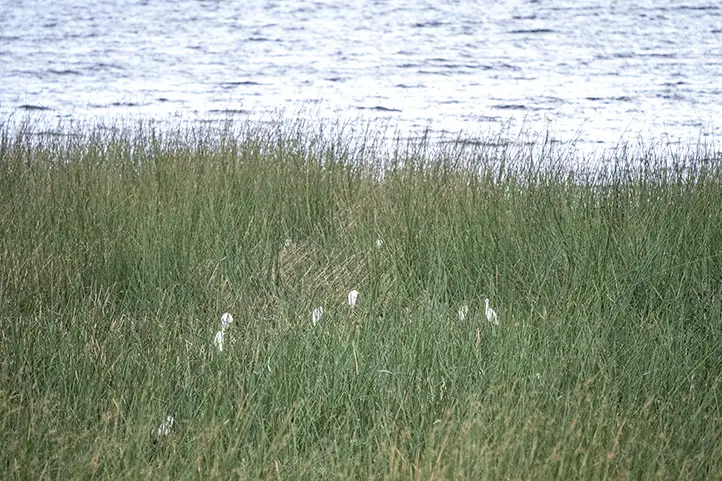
[121, 245]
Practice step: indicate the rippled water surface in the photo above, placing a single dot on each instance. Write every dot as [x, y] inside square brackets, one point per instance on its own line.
[596, 69]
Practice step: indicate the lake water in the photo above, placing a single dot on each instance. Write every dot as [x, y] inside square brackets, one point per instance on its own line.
[593, 70]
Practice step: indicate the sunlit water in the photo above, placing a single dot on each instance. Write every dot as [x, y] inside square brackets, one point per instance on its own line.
[597, 71]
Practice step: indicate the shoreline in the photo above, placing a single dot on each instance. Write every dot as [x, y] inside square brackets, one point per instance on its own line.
[387, 132]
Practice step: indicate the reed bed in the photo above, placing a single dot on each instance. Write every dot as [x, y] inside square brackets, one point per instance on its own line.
[122, 245]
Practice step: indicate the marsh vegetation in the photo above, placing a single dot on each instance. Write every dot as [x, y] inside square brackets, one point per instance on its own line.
[122, 245]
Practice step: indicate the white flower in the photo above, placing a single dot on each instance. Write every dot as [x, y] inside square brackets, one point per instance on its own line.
[165, 427]
[316, 315]
[352, 296]
[379, 243]
[226, 319]
[463, 311]
[218, 340]
[490, 313]
[289, 244]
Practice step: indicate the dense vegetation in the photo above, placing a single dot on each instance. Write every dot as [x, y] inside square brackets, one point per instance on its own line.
[121, 246]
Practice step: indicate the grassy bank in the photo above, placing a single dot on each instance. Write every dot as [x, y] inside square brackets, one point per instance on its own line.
[122, 246]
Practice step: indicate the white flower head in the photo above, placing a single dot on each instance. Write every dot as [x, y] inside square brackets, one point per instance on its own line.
[218, 340]
[165, 426]
[379, 243]
[316, 315]
[226, 319]
[490, 313]
[463, 312]
[352, 296]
